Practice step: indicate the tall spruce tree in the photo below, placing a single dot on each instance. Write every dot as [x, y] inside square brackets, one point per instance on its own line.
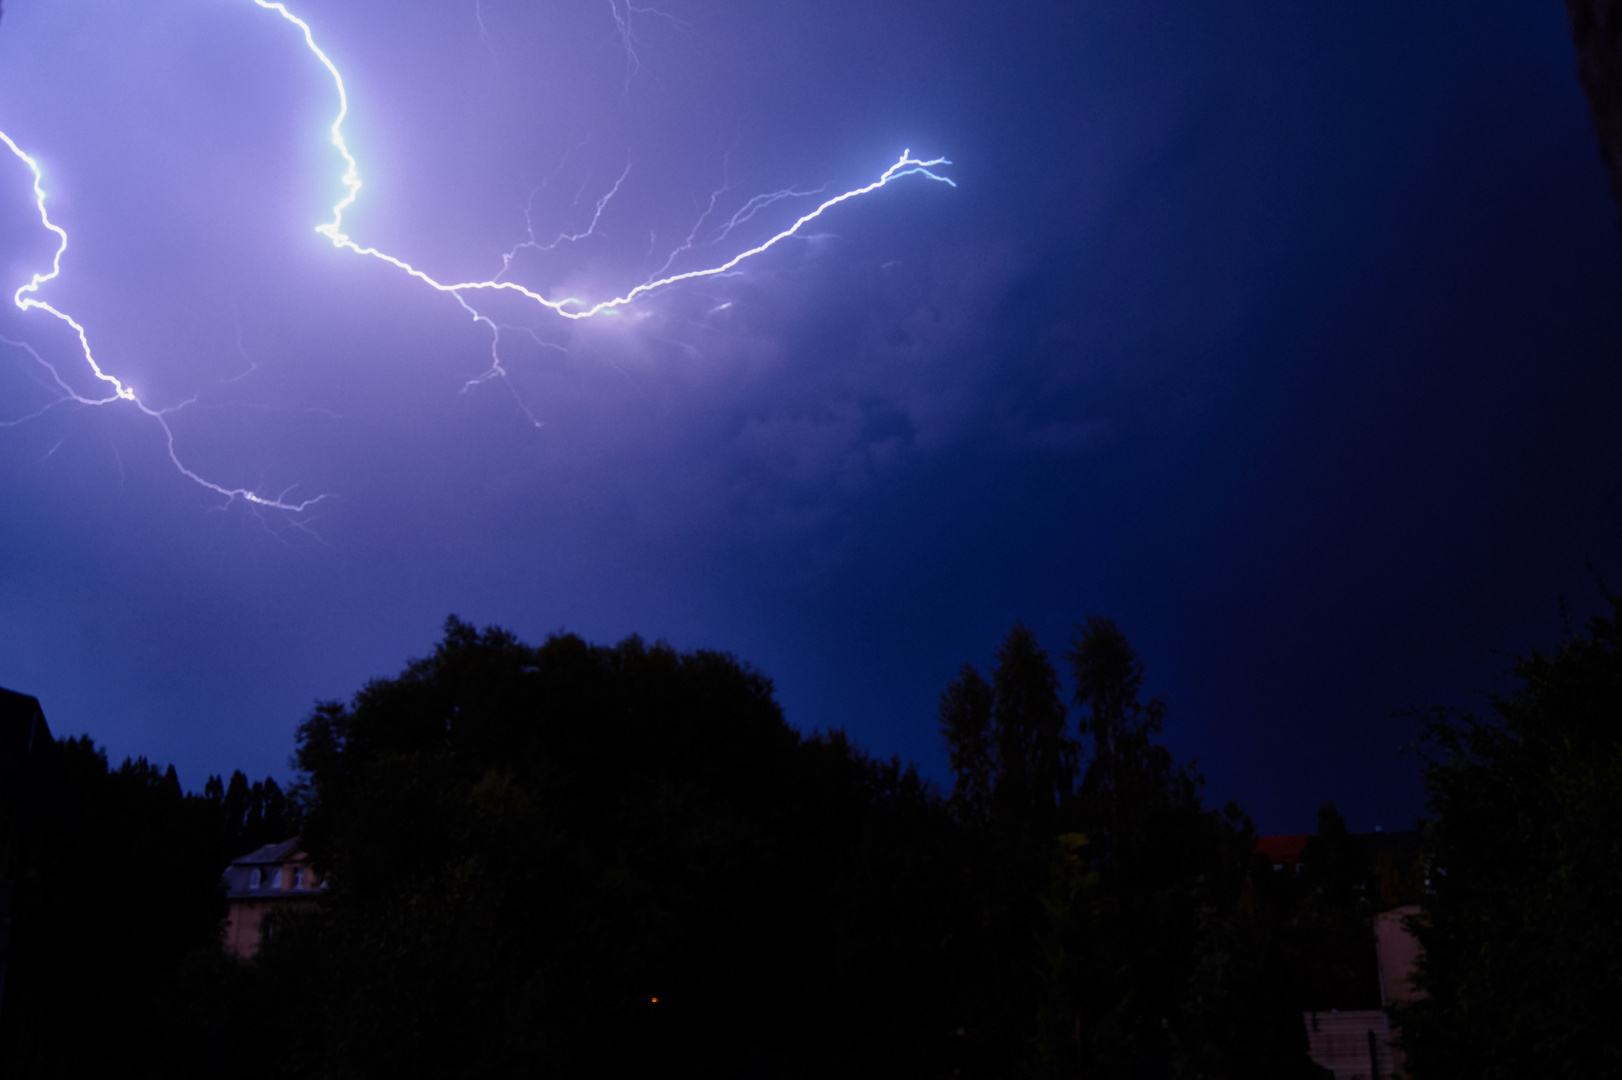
[1130, 776]
[1036, 757]
[966, 707]
[1013, 760]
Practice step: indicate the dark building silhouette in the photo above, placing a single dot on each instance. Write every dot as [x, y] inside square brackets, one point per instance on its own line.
[30, 795]
[1596, 31]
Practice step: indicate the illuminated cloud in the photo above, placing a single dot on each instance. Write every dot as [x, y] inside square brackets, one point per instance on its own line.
[566, 307]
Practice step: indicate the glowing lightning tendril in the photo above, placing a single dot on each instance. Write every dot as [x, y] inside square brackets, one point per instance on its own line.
[26, 297]
[569, 308]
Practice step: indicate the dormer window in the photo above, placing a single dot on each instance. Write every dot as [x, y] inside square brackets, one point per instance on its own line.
[276, 879]
[298, 877]
[255, 878]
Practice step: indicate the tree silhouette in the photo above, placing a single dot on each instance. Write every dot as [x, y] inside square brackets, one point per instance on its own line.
[614, 860]
[1013, 761]
[121, 910]
[1520, 924]
[251, 816]
[1117, 931]
[966, 725]
[1130, 775]
[1036, 759]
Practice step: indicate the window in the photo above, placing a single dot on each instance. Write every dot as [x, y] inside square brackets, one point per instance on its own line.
[276, 879]
[298, 878]
[255, 878]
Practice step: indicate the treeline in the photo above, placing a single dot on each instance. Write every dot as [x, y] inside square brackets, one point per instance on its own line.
[578, 860]
[116, 923]
[1522, 925]
[1122, 927]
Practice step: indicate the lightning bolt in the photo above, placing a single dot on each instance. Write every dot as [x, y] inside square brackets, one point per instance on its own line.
[569, 307]
[27, 299]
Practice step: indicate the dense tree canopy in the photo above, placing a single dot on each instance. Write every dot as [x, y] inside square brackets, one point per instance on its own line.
[615, 861]
[622, 859]
[118, 921]
[1522, 921]
[582, 860]
[250, 815]
[1119, 934]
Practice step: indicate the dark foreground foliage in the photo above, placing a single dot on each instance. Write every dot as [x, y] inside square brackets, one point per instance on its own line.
[1522, 924]
[580, 860]
[118, 918]
[1119, 930]
[577, 860]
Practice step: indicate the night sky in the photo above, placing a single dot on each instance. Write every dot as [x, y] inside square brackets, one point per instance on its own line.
[1285, 334]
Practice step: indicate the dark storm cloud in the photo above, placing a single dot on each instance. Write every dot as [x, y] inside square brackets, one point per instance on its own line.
[1280, 335]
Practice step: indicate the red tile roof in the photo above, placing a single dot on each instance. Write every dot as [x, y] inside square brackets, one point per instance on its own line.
[1281, 849]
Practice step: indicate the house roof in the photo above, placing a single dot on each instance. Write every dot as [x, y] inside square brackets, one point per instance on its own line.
[30, 769]
[20, 722]
[272, 854]
[268, 862]
[1281, 848]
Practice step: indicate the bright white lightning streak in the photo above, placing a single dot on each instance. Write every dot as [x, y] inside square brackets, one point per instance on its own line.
[27, 299]
[569, 307]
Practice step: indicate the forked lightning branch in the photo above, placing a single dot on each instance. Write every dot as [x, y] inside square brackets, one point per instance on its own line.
[29, 298]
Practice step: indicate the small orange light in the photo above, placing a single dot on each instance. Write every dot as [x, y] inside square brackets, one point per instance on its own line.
[656, 1001]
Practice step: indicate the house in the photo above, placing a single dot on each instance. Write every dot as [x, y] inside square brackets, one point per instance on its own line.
[274, 878]
[1284, 852]
[1398, 952]
[1359, 1042]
